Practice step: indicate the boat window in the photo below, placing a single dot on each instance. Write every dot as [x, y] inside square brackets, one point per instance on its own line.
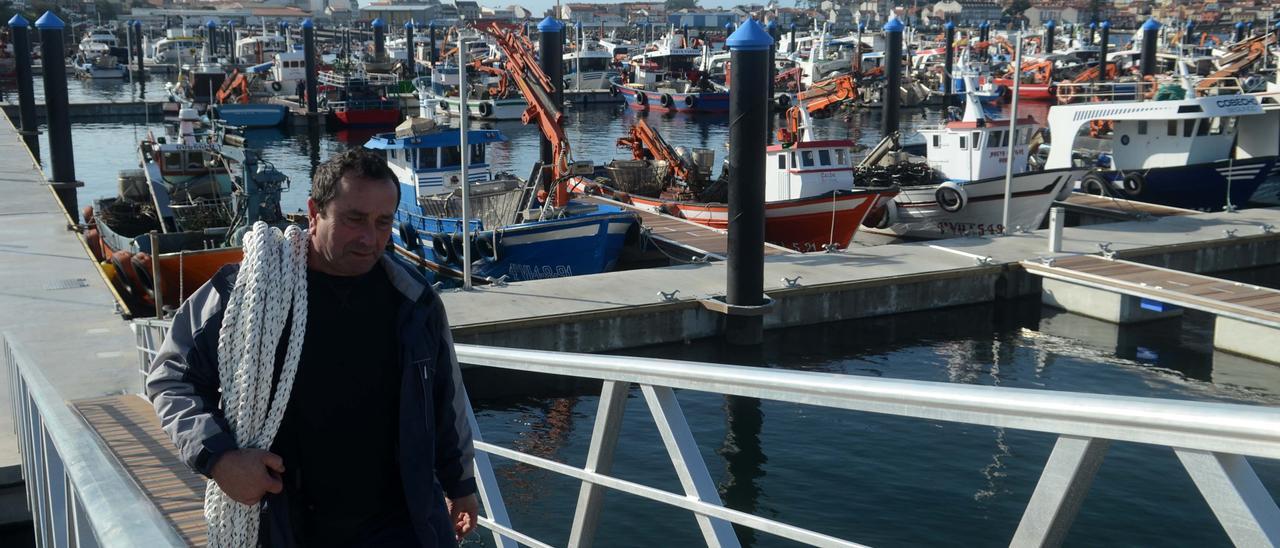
[1215, 126]
[824, 157]
[1203, 128]
[782, 161]
[937, 141]
[1004, 141]
[477, 154]
[449, 156]
[807, 158]
[1188, 127]
[964, 142]
[1142, 127]
[793, 160]
[195, 160]
[173, 160]
[977, 139]
[427, 158]
[840, 156]
[1173, 128]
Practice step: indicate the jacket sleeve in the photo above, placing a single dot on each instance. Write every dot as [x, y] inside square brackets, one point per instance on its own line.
[455, 454]
[183, 382]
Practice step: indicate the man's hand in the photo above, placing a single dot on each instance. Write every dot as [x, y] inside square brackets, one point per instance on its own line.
[462, 512]
[247, 475]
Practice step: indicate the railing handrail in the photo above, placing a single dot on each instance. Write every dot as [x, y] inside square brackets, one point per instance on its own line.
[1220, 427]
[118, 513]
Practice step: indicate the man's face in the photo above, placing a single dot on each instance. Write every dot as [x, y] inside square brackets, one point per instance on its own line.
[348, 236]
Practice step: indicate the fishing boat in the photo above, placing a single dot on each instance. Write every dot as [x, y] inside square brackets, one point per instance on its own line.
[100, 67]
[490, 95]
[177, 48]
[356, 98]
[954, 183]
[181, 217]
[243, 100]
[97, 42]
[666, 79]
[515, 234]
[589, 66]
[1203, 153]
[810, 200]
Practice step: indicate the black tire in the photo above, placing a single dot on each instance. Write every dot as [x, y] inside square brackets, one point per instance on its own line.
[949, 199]
[444, 252]
[1134, 183]
[642, 102]
[485, 246]
[486, 110]
[1094, 183]
[690, 100]
[667, 101]
[275, 86]
[409, 236]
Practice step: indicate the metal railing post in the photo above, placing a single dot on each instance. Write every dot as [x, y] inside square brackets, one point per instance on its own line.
[604, 440]
[1062, 487]
[1236, 495]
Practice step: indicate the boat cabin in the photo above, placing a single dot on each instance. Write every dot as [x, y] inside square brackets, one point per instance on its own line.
[978, 149]
[807, 168]
[430, 161]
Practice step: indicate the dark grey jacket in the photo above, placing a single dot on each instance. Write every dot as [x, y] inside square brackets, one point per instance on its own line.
[435, 437]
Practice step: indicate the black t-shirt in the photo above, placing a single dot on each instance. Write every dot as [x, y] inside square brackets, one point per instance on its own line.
[340, 435]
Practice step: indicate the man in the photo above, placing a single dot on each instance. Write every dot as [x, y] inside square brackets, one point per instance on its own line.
[375, 436]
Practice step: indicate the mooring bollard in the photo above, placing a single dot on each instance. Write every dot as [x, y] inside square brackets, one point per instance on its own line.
[410, 48]
[21, 32]
[211, 38]
[1050, 29]
[891, 94]
[379, 40]
[1149, 42]
[1057, 220]
[309, 52]
[749, 46]
[61, 158]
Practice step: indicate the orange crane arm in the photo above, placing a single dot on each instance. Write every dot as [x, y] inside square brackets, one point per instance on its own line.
[826, 93]
[790, 134]
[1256, 49]
[647, 144]
[537, 88]
[234, 89]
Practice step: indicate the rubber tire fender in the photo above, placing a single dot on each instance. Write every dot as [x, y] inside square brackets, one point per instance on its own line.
[950, 187]
[487, 245]
[409, 236]
[1095, 184]
[667, 101]
[690, 101]
[275, 86]
[444, 252]
[1133, 183]
[486, 109]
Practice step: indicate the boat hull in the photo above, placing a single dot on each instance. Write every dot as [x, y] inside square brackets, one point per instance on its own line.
[1037, 92]
[712, 102]
[488, 109]
[573, 246]
[1201, 187]
[379, 117]
[804, 224]
[917, 214]
[251, 115]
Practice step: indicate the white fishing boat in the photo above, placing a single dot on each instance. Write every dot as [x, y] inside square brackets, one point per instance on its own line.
[588, 67]
[489, 96]
[97, 42]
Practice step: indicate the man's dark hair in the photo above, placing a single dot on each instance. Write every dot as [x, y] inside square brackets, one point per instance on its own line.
[357, 162]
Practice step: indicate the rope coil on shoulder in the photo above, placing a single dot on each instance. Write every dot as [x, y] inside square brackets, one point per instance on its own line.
[270, 289]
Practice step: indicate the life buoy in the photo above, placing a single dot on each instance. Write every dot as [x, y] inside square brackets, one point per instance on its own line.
[1094, 183]
[1133, 183]
[667, 101]
[444, 252]
[486, 109]
[275, 86]
[951, 197]
[690, 100]
[409, 236]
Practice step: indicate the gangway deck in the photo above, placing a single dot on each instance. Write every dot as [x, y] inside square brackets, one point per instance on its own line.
[679, 233]
[1248, 316]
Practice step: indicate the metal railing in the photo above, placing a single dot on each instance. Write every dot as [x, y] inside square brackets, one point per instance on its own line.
[77, 494]
[1211, 440]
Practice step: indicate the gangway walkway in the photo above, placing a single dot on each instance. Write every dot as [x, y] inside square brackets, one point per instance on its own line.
[684, 234]
[1248, 316]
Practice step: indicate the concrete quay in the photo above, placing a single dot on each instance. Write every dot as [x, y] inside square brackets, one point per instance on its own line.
[624, 309]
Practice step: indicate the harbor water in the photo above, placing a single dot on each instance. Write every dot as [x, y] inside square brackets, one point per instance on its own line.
[883, 481]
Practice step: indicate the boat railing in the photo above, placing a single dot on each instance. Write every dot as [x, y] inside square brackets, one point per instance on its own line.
[1212, 441]
[76, 491]
[362, 104]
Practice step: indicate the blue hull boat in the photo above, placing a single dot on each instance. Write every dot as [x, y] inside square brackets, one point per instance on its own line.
[254, 115]
[1203, 187]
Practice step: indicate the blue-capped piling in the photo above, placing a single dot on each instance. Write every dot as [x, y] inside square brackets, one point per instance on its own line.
[20, 30]
[61, 159]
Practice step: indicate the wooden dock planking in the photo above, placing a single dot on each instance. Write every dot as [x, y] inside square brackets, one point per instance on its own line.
[131, 431]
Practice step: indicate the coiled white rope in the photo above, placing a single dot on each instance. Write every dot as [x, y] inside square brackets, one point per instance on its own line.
[271, 285]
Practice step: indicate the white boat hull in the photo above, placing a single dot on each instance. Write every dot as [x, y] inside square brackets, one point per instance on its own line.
[498, 109]
[917, 213]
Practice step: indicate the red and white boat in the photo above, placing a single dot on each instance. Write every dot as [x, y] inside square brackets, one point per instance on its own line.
[810, 200]
[359, 98]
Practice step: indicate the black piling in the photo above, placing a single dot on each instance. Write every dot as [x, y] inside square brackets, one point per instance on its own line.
[20, 29]
[409, 46]
[1150, 39]
[728, 29]
[1239, 31]
[948, 65]
[891, 95]
[211, 38]
[550, 52]
[1188, 33]
[141, 74]
[309, 52]
[1093, 29]
[61, 157]
[749, 47]
[792, 48]
[229, 42]
[379, 39]
[1104, 43]
[772, 27]
[984, 35]
[431, 41]
[1050, 30]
